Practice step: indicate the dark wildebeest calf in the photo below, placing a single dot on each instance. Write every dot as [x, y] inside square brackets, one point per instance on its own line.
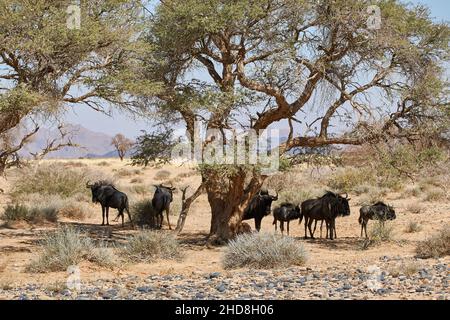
[109, 197]
[378, 211]
[162, 198]
[285, 213]
[259, 207]
[328, 208]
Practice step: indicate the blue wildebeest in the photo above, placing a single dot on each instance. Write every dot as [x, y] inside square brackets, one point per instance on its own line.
[327, 208]
[259, 207]
[285, 213]
[378, 211]
[162, 198]
[109, 197]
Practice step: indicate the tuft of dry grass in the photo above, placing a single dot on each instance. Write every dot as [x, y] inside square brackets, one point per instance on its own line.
[162, 175]
[415, 207]
[149, 246]
[381, 231]
[436, 246]
[263, 251]
[434, 194]
[66, 247]
[412, 227]
[18, 212]
[136, 180]
[408, 269]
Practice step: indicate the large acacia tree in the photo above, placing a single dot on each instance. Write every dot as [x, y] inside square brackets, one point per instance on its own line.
[47, 65]
[294, 61]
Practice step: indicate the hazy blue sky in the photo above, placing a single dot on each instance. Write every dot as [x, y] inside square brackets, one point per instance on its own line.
[440, 10]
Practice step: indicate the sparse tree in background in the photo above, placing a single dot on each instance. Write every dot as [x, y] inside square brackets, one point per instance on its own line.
[45, 66]
[348, 80]
[153, 147]
[122, 145]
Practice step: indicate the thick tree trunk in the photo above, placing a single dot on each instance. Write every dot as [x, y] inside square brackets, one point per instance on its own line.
[228, 196]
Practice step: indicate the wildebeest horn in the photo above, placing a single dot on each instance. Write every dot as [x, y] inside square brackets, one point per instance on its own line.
[275, 198]
[88, 185]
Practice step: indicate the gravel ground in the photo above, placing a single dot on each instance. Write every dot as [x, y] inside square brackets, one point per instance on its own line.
[430, 281]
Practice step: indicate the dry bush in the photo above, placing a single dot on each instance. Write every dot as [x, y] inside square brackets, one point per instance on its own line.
[149, 246]
[263, 251]
[412, 191]
[436, 246]
[142, 213]
[136, 180]
[435, 194]
[141, 189]
[162, 175]
[408, 269]
[74, 164]
[348, 179]
[415, 207]
[373, 196]
[50, 179]
[381, 231]
[412, 227]
[20, 212]
[103, 164]
[66, 247]
[124, 172]
[187, 174]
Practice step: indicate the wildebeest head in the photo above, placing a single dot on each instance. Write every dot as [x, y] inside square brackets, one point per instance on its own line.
[339, 203]
[97, 189]
[265, 200]
[165, 189]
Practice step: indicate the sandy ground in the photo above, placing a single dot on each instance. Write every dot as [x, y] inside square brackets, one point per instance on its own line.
[19, 242]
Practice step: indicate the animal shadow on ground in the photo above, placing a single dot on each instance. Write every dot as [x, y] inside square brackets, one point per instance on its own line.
[194, 241]
[111, 233]
[344, 243]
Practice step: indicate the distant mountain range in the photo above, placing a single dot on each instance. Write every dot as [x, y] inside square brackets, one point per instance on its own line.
[92, 144]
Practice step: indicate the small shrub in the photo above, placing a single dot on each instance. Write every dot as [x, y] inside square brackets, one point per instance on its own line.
[381, 231]
[140, 189]
[436, 246]
[415, 207]
[142, 213]
[375, 195]
[162, 175]
[408, 269]
[53, 179]
[136, 180]
[149, 246]
[66, 247]
[435, 194]
[347, 179]
[124, 172]
[103, 164]
[75, 164]
[412, 227]
[414, 191]
[17, 212]
[263, 250]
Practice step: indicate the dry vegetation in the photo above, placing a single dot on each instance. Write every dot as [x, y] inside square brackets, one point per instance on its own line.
[56, 191]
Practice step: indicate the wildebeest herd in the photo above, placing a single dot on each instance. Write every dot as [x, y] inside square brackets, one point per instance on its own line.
[324, 209]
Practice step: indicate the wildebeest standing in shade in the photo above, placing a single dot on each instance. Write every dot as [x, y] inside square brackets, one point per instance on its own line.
[378, 211]
[327, 207]
[162, 198]
[285, 213]
[259, 207]
[109, 197]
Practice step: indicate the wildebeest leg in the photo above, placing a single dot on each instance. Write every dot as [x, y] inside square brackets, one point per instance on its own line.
[129, 215]
[275, 223]
[365, 227]
[167, 214]
[103, 215]
[309, 227]
[331, 229]
[282, 227]
[257, 224]
[160, 220]
[315, 226]
[306, 227]
[362, 227]
[107, 216]
[321, 224]
[288, 227]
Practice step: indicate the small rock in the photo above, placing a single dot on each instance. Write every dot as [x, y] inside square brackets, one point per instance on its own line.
[144, 289]
[221, 287]
[109, 294]
[214, 275]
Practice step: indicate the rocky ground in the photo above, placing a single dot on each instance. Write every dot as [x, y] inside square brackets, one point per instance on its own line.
[430, 281]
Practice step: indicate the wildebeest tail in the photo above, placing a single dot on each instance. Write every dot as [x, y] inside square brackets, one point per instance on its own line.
[360, 219]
